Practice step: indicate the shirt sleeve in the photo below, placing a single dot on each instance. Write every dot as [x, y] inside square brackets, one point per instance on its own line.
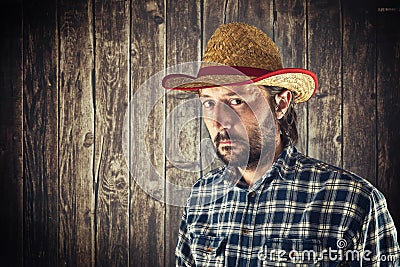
[183, 252]
[379, 241]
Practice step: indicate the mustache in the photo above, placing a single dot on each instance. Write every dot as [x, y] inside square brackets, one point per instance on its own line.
[224, 136]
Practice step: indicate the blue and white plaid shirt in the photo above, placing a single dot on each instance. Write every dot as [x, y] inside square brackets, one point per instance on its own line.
[302, 212]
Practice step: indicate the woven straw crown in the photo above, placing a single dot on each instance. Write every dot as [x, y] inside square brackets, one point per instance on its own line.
[238, 44]
[239, 53]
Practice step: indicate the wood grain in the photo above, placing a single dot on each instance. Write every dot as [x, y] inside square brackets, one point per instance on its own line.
[325, 59]
[257, 13]
[183, 45]
[69, 68]
[388, 99]
[76, 134]
[215, 12]
[111, 100]
[290, 35]
[147, 168]
[11, 159]
[40, 135]
[359, 92]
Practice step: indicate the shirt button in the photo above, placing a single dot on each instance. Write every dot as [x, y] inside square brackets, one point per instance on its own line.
[246, 231]
[253, 194]
[209, 249]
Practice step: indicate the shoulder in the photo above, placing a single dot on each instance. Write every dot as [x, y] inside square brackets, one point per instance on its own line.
[331, 174]
[342, 192]
[336, 179]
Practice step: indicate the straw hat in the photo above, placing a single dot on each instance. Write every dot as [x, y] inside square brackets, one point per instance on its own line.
[239, 53]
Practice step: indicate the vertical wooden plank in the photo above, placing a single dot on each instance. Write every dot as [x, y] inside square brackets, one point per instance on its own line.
[388, 99]
[214, 14]
[111, 100]
[325, 59]
[147, 58]
[11, 134]
[291, 38]
[76, 134]
[359, 92]
[183, 45]
[257, 13]
[40, 138]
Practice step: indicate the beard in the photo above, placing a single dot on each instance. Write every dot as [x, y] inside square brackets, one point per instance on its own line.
[245, 152]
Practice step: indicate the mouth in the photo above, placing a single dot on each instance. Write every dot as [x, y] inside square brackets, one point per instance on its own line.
[229, 145]
[225, 142]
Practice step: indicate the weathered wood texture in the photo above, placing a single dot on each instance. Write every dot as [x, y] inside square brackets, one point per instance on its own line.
[147, 214]
[388, 107]
[359, 88]
[182, 135]
[76, 134]
[324, 57]
[111, 92]
[70, 68]
[40, 135]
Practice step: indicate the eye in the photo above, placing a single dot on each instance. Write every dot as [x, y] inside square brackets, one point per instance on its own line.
[208, 104]
[235, 102]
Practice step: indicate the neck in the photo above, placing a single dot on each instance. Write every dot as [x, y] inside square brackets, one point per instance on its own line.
[253, 172]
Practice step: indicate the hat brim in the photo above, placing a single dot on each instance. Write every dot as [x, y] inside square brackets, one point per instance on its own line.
[301, 82]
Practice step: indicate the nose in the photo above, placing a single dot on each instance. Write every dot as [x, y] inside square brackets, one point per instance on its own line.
[223, 116]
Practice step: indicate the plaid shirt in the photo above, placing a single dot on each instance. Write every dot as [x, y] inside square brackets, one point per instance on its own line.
[302, 212]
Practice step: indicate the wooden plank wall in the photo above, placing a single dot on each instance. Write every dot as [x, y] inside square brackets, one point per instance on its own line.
[68, 70]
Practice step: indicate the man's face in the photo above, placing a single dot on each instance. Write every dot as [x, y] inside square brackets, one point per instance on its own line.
[240, 123]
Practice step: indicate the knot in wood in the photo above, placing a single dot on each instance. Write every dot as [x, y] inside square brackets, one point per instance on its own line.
[89, 139]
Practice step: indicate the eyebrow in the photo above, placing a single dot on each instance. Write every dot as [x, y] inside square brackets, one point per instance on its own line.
[228, 94]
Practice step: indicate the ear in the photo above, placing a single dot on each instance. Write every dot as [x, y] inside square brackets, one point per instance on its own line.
[283, 100]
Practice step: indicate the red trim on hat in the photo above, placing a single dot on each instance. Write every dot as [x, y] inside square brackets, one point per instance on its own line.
[260, 74]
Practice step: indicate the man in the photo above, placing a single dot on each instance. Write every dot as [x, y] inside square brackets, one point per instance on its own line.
[270, 205]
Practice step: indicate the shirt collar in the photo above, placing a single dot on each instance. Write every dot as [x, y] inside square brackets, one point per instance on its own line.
[285, 164]
[284, 168]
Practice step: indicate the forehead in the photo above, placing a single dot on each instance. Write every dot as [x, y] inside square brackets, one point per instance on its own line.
[244, 91]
